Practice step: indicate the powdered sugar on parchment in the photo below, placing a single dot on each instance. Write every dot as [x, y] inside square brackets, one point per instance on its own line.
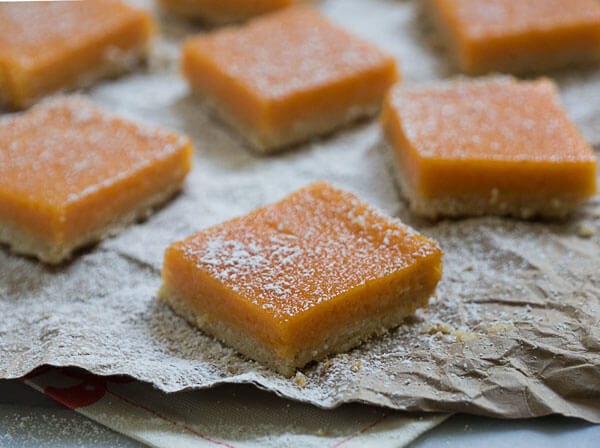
[513, 331]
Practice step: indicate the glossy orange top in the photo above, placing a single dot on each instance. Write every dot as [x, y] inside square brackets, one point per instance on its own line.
[314, 245]
[287, 52]
[67, 148]
[489, 120]
[33, 33]
[497, 18]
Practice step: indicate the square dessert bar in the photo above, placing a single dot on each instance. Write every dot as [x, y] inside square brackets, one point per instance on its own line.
[288, 76]
[50, 46]
[71, 174]
[311, 275]
[224, 11]
[492, 146]
[518, 36]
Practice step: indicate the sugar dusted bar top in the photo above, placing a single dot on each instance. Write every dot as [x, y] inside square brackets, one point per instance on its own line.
[49, 46]
[288, 76]
[71, 173]
[518, 36]
[311, 275]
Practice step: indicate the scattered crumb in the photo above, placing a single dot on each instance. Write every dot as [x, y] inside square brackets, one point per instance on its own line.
[464, 336]
[326, 366]
[585, 230]
[356, 366]
[322, 432]
[436, 327]
[300, 379]
[497, 328]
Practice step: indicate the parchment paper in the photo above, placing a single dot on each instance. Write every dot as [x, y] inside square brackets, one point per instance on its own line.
[514, 330]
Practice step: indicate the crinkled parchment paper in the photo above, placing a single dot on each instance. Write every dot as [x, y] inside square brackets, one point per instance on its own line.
[514, 330]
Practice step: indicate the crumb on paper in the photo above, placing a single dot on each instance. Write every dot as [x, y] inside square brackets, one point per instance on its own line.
[464, 335]
[326, 366]
[300, 379]
[356, 366]
[322, 432]
[436, 327]
[498, 328]
[585, 230]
